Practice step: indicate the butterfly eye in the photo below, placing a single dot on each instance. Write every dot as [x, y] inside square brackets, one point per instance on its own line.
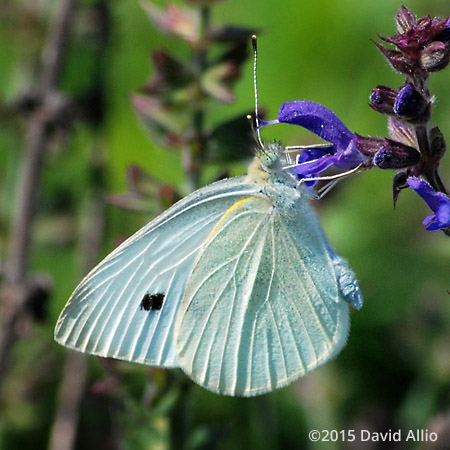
[270, 155]
[269, 160]
[152, 302]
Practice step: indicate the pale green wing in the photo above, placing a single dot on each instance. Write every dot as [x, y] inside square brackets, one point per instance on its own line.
[105, 315]
[262, 305]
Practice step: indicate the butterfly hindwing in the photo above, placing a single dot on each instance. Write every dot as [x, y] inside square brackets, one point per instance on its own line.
[125, 307]
[262, 305]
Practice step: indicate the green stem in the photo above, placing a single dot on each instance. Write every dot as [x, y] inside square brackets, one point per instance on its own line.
[194, 155]
[180, 416]
[195, 152]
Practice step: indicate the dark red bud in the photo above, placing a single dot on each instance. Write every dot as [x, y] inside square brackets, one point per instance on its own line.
[367, 145]
[435, 56]
[395, 155]
[382, 99]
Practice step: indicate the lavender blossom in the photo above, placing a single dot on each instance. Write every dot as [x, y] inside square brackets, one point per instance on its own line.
[437, 201]
[343, 153]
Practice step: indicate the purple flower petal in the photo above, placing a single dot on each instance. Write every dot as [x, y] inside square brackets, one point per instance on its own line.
[318, 119]
[349, 158]
[343, 153]
[438, 202]
[315, 153]
[312, 161]
[310, 169]
[443, 211]
[425, 190]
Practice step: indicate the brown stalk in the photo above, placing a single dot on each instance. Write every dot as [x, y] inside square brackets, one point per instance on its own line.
[14, 291]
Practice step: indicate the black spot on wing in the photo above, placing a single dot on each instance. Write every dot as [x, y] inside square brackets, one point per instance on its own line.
[152, 302]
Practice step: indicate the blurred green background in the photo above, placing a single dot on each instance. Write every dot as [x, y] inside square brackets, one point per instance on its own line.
[394, 372]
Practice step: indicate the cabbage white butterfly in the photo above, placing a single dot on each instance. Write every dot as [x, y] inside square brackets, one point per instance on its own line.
[249, 294]
[236, 284]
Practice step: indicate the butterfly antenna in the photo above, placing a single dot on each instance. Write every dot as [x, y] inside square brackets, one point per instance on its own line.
[255, 85]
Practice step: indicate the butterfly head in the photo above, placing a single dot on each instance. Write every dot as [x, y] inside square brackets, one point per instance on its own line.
[268, 165]
[270, 156]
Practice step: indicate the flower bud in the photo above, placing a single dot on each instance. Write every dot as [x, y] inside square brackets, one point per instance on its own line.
[411, 105]
[395, 155]
[382, 99]
[435, 56]
[368, 145]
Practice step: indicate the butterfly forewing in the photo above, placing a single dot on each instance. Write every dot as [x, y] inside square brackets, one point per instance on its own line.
[104, 315]
[261, 306]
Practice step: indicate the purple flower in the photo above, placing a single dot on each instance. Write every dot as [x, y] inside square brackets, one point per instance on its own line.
[313, 161]
[437, 201]
[342, 154]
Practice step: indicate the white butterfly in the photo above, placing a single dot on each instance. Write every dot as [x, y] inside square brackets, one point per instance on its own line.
[236, 284]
